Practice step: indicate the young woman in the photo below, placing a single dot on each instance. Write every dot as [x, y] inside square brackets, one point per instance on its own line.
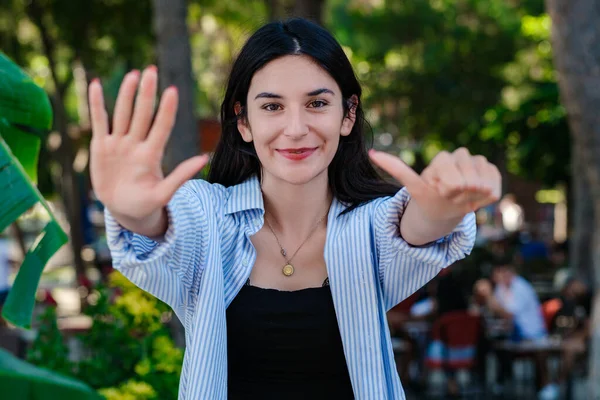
[283, 265]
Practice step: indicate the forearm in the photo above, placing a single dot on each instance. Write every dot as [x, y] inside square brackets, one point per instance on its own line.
[417, 229]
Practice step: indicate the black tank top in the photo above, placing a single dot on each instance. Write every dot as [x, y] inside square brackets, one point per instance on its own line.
[285, 345]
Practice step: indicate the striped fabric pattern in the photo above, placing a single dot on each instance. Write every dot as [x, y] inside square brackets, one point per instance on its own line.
[206, 257]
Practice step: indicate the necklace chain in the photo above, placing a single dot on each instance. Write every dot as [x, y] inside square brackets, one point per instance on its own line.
[288, 269]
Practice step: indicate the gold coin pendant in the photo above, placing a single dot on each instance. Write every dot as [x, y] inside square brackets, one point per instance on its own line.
[288, 270]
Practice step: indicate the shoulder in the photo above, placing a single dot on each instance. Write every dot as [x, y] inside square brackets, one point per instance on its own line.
[521, 282]
[362, 211]
[229, 200]
[382, 203]
[204, 191]
[522, 285]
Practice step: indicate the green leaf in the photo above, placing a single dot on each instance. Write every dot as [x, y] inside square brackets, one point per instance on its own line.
[25, 115]
[21, 380]
[18, 195]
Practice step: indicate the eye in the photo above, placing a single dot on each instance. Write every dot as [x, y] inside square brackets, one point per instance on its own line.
[271, 107]
[318, 104]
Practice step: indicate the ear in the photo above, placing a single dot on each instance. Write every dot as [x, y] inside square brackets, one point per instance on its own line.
[242, 123]
[350, 117]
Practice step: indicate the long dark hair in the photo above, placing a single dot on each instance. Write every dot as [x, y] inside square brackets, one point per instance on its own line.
[352, 178]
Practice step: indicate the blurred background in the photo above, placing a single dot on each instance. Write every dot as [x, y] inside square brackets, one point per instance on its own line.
[436, 74]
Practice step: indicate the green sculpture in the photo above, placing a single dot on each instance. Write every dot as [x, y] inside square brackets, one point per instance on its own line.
[25, 119]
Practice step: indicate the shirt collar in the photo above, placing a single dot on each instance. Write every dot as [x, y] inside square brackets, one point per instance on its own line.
[245, 196]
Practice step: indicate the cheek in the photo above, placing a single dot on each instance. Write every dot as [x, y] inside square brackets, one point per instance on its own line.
[331, 128]
[263, 131]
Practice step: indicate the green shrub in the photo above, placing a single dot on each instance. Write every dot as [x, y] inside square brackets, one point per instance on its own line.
[128, 352]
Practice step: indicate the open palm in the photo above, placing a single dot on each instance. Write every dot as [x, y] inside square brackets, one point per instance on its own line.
[125, 165]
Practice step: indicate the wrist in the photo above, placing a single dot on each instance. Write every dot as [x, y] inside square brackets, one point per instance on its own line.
[153, 226]
[419, 228]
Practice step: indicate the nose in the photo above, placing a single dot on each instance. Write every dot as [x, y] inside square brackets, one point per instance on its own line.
[296, 125]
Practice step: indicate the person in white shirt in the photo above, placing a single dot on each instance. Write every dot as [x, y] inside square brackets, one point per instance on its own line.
[514, 298]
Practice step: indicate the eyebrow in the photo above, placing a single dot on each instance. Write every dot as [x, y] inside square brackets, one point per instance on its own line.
[269, 95]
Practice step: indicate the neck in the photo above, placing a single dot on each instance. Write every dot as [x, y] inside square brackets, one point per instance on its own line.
[295, 209]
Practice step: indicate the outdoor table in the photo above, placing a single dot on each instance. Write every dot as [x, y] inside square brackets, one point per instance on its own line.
[549, 345]
[528, 349]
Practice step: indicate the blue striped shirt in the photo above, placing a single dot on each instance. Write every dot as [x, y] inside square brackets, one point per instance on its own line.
[206, 257]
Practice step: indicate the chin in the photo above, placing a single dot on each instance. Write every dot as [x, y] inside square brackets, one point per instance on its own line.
[299, 176]
[296, 179]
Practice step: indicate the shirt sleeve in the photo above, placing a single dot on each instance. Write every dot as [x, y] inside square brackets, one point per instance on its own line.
[169, 268]
[404, 268]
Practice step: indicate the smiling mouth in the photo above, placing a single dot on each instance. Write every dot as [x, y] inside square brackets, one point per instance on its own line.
[297, 151]
[297, 154]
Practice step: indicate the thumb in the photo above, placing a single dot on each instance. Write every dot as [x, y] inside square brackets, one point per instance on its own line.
[399, 171]
[184, 172]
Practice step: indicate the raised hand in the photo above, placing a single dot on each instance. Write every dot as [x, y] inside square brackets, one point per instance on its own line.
[453, 185]
[125, 165]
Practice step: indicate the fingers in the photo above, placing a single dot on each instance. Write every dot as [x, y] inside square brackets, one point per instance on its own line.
[466, 180]
[184, 172]
[445, 175]
[124, 104]
[144, 104]
[165, 119]
[489, 184]
[472, 199]
[98, 112]
[399, 171]
[466, 166]
[494, 175]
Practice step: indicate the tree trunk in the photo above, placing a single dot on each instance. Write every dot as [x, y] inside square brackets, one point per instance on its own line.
[576, 43]
[65, 153]
[175, 69]
[69, 186]
[582, 214]
[310, 9]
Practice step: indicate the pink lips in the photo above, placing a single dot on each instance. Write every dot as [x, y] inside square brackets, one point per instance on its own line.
[297, 154]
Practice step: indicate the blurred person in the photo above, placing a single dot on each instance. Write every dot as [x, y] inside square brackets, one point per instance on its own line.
[448, 299]
[559, 256]
[575, 304]
[572, 322]
[514, 299]
[291, 176]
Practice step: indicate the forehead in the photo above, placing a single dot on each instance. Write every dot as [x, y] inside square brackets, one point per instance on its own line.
[291, 75]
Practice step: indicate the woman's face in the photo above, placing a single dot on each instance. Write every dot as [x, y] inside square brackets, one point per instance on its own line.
[294, 118]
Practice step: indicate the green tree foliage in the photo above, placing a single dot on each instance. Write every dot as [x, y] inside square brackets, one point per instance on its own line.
[448, 73]
[529, 119]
